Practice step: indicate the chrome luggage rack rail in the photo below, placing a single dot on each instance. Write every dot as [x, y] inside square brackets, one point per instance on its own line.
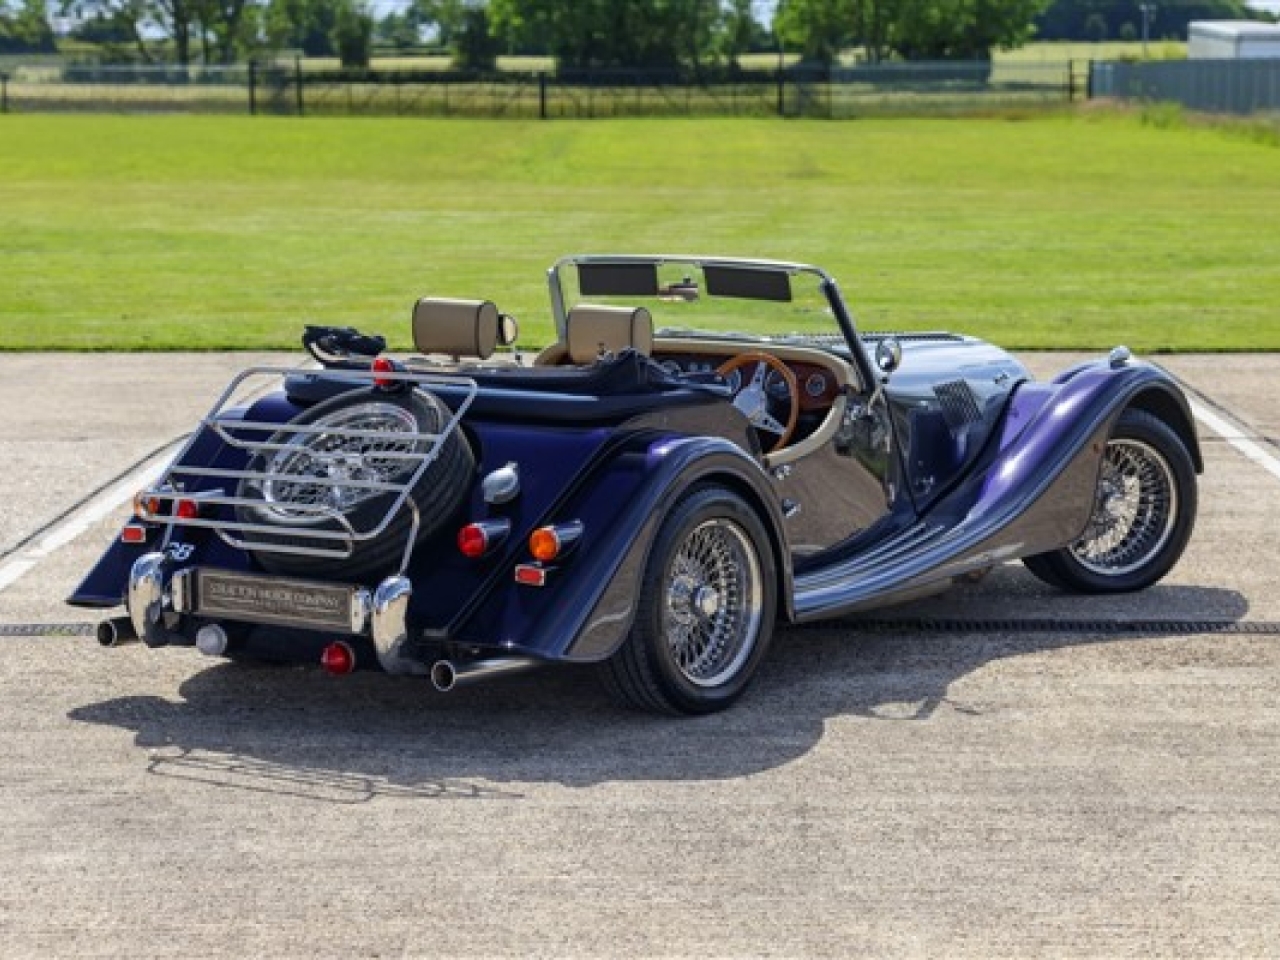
[259, 440]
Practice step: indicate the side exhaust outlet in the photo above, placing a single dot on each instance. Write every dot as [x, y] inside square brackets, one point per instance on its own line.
[116, 632]
[447, 675]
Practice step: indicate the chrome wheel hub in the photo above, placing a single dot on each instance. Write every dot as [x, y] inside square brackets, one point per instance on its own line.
[714, 603]
[1134, 512]
[318, 471]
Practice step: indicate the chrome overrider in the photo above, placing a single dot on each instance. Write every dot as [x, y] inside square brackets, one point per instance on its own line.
[145, 601]
[390, 629]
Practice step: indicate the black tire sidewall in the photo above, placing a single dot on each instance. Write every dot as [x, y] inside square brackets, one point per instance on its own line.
[695, 508]
[1062, 568]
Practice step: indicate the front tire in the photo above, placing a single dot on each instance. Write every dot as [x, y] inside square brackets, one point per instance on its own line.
[705, 613]
[1144, 509]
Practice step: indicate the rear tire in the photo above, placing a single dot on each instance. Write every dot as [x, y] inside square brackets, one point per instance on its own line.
[705, 614]
[438, 494]
[1143, 514]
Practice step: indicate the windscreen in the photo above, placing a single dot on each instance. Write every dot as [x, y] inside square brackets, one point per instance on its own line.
[689, 298]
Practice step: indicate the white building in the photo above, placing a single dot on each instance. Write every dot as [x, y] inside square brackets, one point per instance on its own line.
[1232, 40]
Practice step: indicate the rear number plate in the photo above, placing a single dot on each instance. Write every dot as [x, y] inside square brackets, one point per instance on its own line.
[295, 603]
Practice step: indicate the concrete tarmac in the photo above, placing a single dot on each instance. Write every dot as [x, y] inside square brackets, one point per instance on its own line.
[880, 791]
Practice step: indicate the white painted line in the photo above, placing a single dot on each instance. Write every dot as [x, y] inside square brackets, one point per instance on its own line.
[16, 566]
[1237, 438]
[13, 568]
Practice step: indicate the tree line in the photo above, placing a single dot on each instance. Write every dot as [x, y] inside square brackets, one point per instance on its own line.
[687, 35]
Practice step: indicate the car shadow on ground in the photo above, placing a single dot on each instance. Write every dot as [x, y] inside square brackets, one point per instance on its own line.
[297, 731]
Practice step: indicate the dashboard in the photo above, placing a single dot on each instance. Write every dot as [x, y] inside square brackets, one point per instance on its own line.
[818, 385]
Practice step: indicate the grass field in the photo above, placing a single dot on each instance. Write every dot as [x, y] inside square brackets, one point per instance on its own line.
[1071, 230]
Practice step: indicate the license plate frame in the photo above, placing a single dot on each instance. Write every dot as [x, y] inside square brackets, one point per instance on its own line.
[279, 601]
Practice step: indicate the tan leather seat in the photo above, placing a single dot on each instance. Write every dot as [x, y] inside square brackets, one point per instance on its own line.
[458, 328]
[592, 331]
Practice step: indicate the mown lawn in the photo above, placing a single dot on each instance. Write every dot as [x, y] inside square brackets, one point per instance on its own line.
[1071, 230]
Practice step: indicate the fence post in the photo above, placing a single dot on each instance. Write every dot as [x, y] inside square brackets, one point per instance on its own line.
[297, 72]
[1088, 80]
[542, 96]
[253, 88]
[782, 97]
[4, 93]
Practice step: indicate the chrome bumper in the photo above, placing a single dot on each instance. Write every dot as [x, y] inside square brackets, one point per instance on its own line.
[157, 597]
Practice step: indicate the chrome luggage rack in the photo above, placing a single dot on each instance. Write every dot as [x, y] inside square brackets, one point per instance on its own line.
[354, 472]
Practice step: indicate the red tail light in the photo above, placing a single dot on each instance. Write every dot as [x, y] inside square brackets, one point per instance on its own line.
[338, 659]
[476, 540]
[383, 365]
[186, 509]
[531, 575]
[133, 533]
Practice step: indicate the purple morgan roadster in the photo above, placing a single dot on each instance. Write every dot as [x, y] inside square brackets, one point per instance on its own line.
[710, 446]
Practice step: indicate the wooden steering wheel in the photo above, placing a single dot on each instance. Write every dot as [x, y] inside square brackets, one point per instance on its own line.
[753, 399]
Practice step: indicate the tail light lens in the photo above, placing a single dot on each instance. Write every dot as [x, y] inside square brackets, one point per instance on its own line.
[159, 504]
[146, 505]
[338, 659]
[133, 533]
[383, 365]
[550, 543]
[479, 539]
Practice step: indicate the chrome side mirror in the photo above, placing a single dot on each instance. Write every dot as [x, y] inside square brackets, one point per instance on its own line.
[888, 355]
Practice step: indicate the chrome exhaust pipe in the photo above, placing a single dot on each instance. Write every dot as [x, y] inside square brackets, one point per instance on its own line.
[447, 675]
[116, 632]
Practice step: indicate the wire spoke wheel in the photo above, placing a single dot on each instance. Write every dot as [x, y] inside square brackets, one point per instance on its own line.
[705, 609]
[1134, 511]
[335, 470]
[713, 606]
[1143, 511]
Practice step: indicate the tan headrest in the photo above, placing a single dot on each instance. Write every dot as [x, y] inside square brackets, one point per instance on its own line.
[593, 329]
[460, 328]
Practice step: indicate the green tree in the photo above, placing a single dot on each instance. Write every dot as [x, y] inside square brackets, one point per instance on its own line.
[474, 46]
[912, 29]
[820, 29]
[963, 29]
[175, 17]
[353, 34]
[446, 17]
[219, 28]
[613, 33]
[24, 27]
[739, 30]
[1071, 19]
[305, 25]
[1095, 27]
[399, 30]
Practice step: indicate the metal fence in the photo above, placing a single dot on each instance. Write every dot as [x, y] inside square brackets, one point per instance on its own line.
[1210, 86]
[293, 88]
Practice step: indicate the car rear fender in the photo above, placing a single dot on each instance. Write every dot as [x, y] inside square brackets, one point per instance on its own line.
[586, 610]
